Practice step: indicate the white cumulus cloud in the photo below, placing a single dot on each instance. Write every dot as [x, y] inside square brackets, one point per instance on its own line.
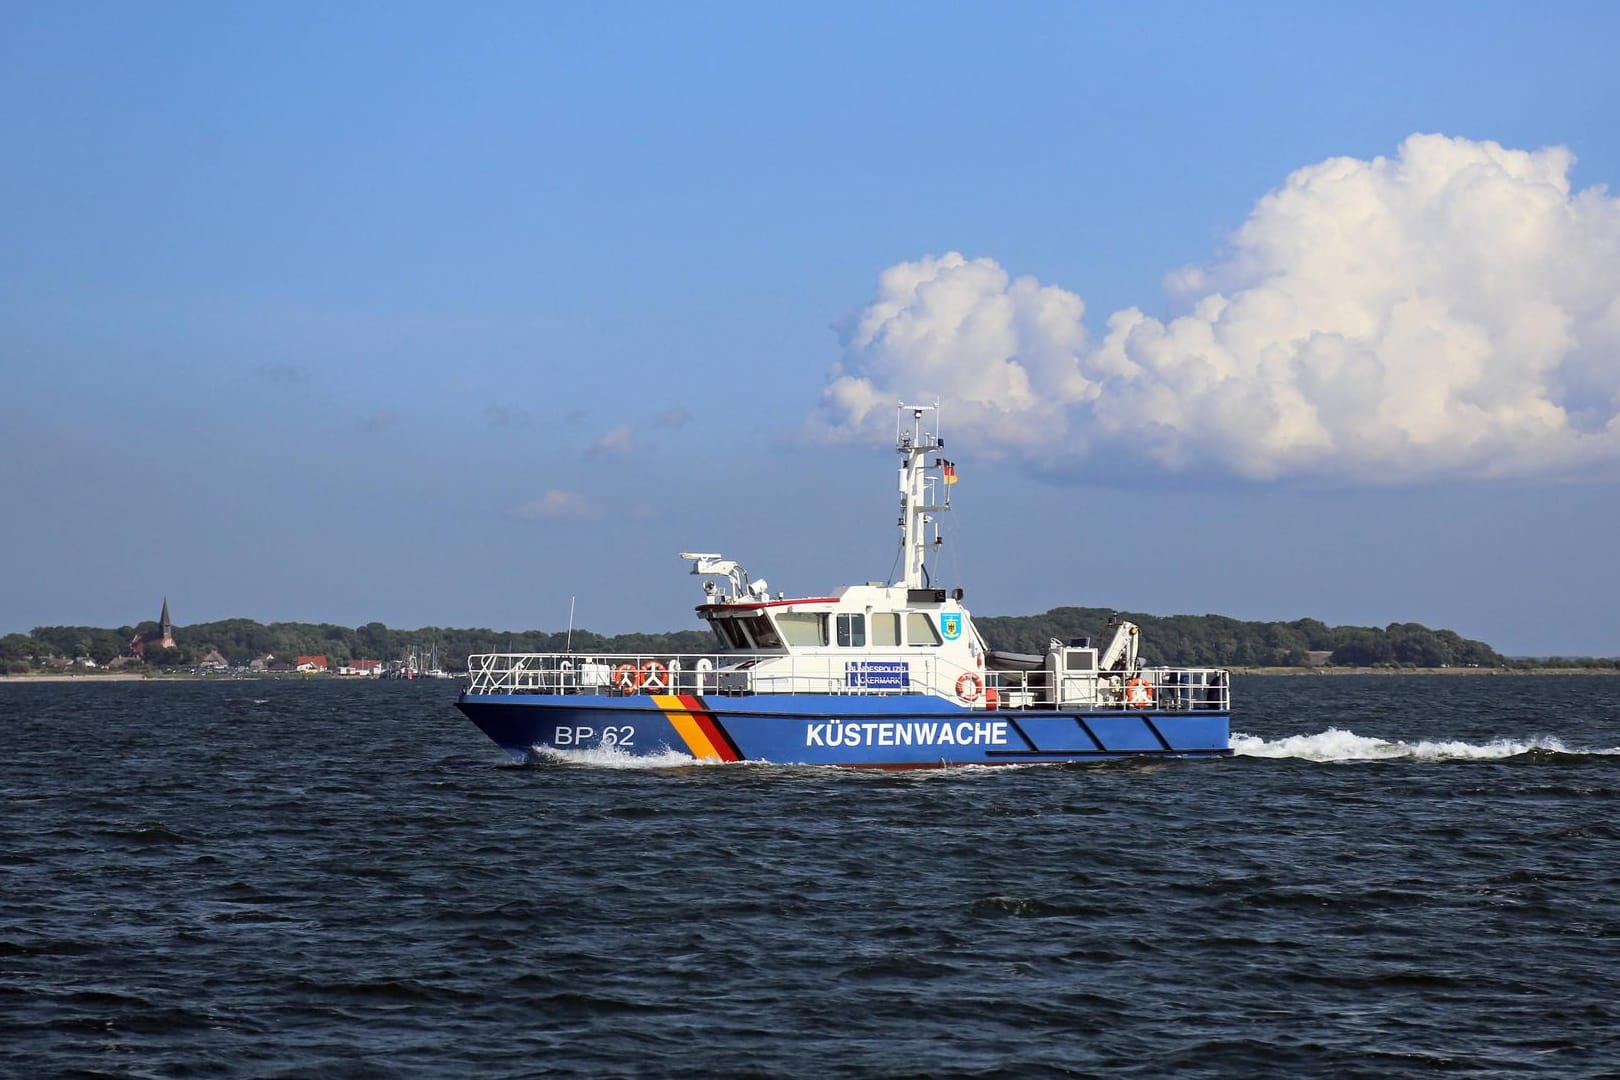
[1453, 310]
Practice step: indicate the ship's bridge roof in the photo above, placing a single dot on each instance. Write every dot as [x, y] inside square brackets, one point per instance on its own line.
[757, 605]
[892, 597]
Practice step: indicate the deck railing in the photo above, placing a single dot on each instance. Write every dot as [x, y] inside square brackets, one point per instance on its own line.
[620, 674]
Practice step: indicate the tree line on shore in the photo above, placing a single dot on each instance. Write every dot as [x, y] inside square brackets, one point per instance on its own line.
[1218, 641]
[1176, 640]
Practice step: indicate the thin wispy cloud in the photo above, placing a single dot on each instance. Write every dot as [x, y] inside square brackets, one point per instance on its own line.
[616, 443]
[378, 421]
[560, 504]
[283, 374]
[672, 418]
[507, 416]
[1451, 311]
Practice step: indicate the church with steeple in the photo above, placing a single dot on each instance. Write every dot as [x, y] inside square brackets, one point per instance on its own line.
[161, 638]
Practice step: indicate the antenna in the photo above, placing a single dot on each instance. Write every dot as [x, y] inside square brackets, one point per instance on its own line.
[921, 495]
[570, 646]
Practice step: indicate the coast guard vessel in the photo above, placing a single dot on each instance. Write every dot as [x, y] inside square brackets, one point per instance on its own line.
[881, 675]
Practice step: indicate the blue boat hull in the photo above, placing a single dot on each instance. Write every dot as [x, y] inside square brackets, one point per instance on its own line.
[879, 731]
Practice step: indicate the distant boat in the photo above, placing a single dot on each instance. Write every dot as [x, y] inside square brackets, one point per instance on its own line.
[420, 662]
[876, 675]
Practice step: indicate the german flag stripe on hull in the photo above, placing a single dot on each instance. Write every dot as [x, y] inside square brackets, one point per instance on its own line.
[705, 739]
[711, 727]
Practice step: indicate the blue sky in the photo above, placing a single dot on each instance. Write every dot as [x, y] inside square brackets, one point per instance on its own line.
[444, 315]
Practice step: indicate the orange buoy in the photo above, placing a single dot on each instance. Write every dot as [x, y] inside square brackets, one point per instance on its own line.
[968, 686]
[654, 675]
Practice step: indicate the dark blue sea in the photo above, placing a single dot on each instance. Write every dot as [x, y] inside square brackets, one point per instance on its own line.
[1395, 877]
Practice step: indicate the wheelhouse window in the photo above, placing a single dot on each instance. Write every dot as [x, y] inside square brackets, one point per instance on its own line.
[802, 627]
[730, 635]
[764, 634]
[852, 630]
[920, 629]
[886, 628]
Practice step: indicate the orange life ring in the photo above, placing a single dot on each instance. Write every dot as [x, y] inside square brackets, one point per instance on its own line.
[654, 675]
[627, 678]
[968, 686]
[1138, 694]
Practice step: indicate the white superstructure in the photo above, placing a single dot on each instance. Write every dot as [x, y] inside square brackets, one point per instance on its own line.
[908, 636]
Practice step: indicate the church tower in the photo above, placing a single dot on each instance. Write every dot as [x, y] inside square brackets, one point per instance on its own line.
[161, 638]
[165, 627]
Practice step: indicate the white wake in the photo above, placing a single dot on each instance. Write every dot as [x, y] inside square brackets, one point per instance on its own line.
[611, 757]
[1336, 745]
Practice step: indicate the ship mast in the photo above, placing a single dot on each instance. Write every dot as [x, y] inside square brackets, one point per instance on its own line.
[917, 437]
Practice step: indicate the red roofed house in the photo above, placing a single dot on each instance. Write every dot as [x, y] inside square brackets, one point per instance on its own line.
[311, 663]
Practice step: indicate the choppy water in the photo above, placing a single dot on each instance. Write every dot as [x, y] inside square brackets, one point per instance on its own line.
[1395, 877]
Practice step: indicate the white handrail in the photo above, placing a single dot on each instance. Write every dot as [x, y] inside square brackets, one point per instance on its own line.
[834, 672]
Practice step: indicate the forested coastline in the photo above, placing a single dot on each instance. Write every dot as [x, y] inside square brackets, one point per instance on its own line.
[1218, 641]
[1182, 640]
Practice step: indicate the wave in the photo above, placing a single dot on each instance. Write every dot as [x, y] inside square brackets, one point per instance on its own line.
[1326, 746]
[1336, 745]
[610, 757]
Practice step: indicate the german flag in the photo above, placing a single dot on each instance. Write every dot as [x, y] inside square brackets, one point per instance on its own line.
[949, 469]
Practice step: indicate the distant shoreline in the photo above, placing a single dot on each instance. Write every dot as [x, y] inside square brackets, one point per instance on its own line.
[1290, 671]
[1424, 671]
[87, 677]
[119, 677]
